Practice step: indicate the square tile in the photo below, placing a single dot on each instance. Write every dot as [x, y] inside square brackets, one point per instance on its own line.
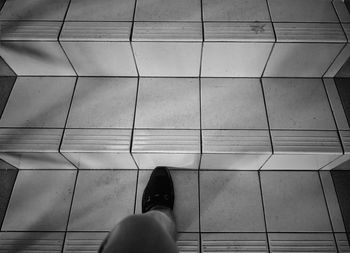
[176, 59]
[236, 196]
[173, 148]
[302, 242]
[236, 10]
[332, 201]
[105, 10]
[83, 241]
[6, 85]
[98, 148]
[23, 242]
[162, 103]
[7, 180]
[102, 199]
[294, 202]
[40, 201]
[186, 198]
[38, 102]
[235, 149]
[301, 59]
[99, 48]
[34, 10]
[234, 242]
[103, 102]
[234, 59]
[36, 58]
[232, 103]
[302, 11]
[297, 104]
[168, 10]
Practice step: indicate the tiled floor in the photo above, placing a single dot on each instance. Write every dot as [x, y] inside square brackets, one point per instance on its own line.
[236, 96]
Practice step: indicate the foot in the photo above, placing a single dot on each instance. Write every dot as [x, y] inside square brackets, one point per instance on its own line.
[159, 192]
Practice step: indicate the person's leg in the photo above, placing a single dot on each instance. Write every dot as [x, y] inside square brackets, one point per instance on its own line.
[154, 230]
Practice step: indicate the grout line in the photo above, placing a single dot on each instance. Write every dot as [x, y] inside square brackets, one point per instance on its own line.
[199, 208]
[335, 58]
[8, 202]
[65, 123]
[341, 99]
[70, 209]
[327, 207]
[268, 59]
[264, 212]
[268, 122]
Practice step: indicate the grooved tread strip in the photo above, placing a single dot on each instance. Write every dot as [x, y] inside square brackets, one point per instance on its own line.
[177, 141]
[30, 242]
[345, 138]
[309, 32]
[87, 242]
[188, 243]
[76, 140]
[236, 141]
[306, 141]
[28, 140]
[29, 30]
[342, 242]
[239, 32]
[236, 242]
[302, 243]
[167, 31]
[96, 31]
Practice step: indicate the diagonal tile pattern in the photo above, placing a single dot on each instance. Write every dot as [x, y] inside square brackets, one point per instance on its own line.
[96, 94]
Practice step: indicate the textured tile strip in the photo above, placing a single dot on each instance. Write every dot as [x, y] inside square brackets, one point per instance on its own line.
[30, 242]
[83, 242]
[188, 242]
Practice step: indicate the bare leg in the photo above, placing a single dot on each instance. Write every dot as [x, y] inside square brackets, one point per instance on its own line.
[151, 232]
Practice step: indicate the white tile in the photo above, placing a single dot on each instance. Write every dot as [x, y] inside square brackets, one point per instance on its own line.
[302, 11]
[34, 10]
[23, 242]
[229, 103]
[32, 148]
[40, 201]
[235, 149]
[83, 241]
[103, 102]
[297, 104]
[186, 198]
[102, 199]
[38, 102]
[167, 59]
[294, 202]
[303, 150]
[234, 242]
[105, 10]
[101, 58]
[99, 48]
[236, 10]
[98, 148]
[342, 242]
[332, 201]
[168, 103]
[230, 201]
[36, 58]
[302, 242]
[168, 10]
[301, 59]
[173, 148]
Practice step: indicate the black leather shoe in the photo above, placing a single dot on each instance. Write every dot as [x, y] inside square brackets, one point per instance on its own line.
[159, 191]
